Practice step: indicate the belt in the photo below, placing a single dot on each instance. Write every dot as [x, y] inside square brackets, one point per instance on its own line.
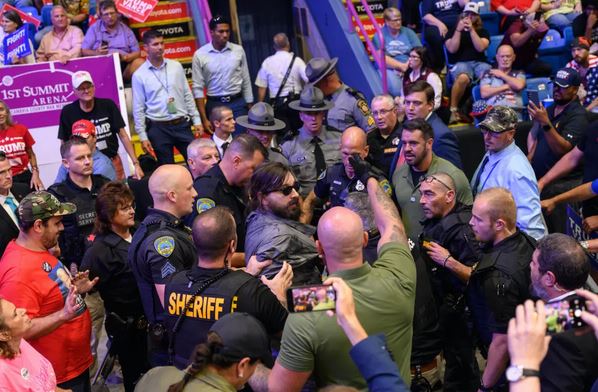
[426, 367]
[176, 121]
[224, 98]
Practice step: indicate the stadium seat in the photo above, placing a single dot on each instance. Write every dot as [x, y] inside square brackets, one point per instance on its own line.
[495, 41]
[47, 15]
[30, 11]
[490, 21]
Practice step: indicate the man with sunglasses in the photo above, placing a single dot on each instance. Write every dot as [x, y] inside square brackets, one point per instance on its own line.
[555, 131]
[418, 139]
[273, 228]
[446, 238]
[505, 165]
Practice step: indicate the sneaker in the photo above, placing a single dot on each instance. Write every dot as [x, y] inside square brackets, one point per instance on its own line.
[455, 117]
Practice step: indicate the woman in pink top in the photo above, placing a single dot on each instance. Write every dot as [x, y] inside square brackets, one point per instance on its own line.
[21, 367]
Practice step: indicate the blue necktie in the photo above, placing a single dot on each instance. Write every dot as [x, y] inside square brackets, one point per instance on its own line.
[9, 201]
[476, 183]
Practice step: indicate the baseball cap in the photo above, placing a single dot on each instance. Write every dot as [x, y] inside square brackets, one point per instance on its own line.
[581, 42]
[81, 77]
[567, 77]
[43, 205]
[83, 128]
[500, 119]
[472, 7]
[243, 336]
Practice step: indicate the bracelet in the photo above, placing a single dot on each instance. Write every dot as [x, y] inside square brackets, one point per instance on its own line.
[445, 260]
[34, 168]
[584, 244]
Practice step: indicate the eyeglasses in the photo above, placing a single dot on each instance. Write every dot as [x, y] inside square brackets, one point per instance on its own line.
[414, 56]
[288, 189]
[82, 88]
[382, 112]
[430, 178]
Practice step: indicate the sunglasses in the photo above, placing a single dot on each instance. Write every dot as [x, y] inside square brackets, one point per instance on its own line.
[430, 178]
[288, 189]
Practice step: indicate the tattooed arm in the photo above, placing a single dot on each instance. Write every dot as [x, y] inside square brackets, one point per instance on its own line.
[386, 215]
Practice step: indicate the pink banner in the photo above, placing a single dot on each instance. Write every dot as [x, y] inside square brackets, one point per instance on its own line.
[35, 93]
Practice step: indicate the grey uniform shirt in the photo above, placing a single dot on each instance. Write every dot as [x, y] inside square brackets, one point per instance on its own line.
[275, 155]
[300, 153]
[350, 109]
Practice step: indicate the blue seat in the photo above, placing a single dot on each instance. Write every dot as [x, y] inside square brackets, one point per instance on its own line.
[552, 42]
[30, 11]
[47, 15]
[544, 86]
[476, 93]
[491, 21]
[495, 41]
[568, 35]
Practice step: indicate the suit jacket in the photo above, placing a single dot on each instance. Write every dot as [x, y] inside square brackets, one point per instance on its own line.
[8, 229]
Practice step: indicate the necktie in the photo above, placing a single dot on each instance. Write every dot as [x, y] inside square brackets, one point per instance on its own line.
[319, 155]
[476, 183]
[224, 147]
[9, 201]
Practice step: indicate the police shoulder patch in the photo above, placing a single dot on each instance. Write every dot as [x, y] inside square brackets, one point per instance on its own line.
[164, 245]
[363, 107]
[385, 185]
[204, 204]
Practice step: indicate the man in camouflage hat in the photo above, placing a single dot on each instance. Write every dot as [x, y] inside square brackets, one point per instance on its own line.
[505, 165]
[59, 325]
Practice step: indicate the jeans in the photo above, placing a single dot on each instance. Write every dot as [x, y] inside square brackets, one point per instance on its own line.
[560, 21]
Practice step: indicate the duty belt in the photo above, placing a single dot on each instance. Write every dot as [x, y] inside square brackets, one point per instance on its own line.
[224, 98]
[176, 121]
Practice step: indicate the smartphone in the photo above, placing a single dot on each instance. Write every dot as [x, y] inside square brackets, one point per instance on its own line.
[311, 298]
[104, 43]
[533, 96]
[538, 16]
[564, 314]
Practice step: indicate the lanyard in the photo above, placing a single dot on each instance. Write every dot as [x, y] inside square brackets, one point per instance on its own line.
[164, 86]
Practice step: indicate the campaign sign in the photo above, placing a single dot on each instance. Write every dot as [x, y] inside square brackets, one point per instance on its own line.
[24, 16]
[575, 230]
[138, 10]
[16, 45]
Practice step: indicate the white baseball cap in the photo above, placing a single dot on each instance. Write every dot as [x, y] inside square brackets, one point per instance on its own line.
[472, 7]
[80, 77]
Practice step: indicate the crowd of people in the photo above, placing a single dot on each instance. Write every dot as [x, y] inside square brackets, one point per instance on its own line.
[430, 270]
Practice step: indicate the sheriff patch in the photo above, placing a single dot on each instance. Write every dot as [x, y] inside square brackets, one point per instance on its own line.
[204, 204]
[385, 185]
[164, 245]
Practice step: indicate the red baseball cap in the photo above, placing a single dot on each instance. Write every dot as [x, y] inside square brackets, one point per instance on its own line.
[83, 128]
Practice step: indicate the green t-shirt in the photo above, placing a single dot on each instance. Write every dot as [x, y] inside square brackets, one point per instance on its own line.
[384, 298]
[160, 378]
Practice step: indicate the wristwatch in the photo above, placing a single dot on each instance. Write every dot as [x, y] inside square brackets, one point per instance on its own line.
[546, 127]
[515, 373]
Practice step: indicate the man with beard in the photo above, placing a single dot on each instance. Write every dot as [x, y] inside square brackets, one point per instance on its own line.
[417, 139]
[446, 238]
[555, 132]
[559, 266]
[585, 64]
[500, 280]
[273, 228]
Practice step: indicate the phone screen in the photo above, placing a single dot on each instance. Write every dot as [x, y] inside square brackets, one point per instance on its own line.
[533, 96]
[311, 298]
[564, 314]
[537, 16]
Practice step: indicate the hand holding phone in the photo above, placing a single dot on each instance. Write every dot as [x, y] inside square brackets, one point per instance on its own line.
[311, 298]
[565, 314]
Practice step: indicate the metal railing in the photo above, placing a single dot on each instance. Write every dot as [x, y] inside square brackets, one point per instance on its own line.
[379, 55]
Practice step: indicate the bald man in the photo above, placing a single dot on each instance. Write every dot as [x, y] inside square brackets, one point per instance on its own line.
[503, 85]
[162, 246]
[338, 181]
[501, 279]
[384, 299]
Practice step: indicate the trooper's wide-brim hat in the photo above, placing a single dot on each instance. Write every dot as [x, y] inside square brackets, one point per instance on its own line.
[318, 67]
[261, 118]
[311, 100]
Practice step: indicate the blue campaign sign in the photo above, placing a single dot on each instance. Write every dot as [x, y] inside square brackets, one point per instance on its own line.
[17, 44]
[575, 230]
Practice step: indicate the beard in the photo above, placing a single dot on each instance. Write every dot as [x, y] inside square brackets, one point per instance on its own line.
[290, 211]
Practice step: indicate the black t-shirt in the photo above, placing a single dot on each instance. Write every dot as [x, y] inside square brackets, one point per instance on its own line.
[467, 52]
[382, 150]
[441, 9]
[105, 116]
[416, 175]
[579, 27]
[588, 143]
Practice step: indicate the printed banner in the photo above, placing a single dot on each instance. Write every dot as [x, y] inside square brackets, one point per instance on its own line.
[169, 31]
[138, 10]
[16, 45]
[167, 11]
[24, 16]
[35, 93]
[575, 230]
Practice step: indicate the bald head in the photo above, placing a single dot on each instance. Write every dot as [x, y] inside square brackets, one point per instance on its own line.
[341, 238]
[171, 187]
[281, 42]
[353, 141]
[505, 56]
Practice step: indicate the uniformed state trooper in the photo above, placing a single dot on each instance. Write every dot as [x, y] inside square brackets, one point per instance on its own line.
[224, 185]
[350, 105]
[335, 184]
[195, 299]
[261, 123]
[315, 147]
[162, 246]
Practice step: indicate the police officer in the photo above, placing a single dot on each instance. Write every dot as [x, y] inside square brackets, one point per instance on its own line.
[335, 184]
[315, 146]
[223, 184]
[385, 139]
[162, 246]
[261, 123]
[195, 299]
[446, 226]
[350, 105]
[107, 259]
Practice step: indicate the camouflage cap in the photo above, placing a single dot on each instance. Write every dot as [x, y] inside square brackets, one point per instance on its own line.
[500, 119]
[43, 205]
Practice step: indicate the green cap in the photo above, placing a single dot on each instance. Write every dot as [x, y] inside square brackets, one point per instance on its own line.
[500, 119]
[43, 205]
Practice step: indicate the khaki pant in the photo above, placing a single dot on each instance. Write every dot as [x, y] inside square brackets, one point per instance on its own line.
[96, 310]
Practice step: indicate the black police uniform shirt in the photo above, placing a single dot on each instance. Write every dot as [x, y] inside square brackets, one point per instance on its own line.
[214, 190]
[105, 116]
[235, 291]
[107, 260]
[161, 246]
[588, 143]
[334, 185]
[499, 283]
[382, 150]
[78, 227]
